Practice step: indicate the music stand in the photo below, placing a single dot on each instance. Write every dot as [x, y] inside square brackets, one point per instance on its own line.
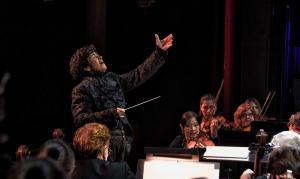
[176, 163]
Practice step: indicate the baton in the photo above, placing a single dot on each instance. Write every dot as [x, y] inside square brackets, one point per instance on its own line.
[142, 103]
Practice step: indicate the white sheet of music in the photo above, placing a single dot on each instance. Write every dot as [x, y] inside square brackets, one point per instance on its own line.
[165, 169]
[225, 152]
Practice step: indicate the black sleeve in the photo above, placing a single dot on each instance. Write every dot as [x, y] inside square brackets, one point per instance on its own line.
[83, 112]
[177, 142]
[130, 174]
[144, 71]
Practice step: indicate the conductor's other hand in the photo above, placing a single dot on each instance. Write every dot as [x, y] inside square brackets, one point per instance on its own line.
[121, 112]
[164, 44]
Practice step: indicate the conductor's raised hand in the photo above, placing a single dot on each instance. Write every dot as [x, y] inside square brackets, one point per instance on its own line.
[165, 43]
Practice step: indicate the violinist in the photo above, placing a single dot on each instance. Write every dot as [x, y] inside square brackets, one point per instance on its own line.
[210, 122]
[243, 117]
[256, 107]
[191, 136]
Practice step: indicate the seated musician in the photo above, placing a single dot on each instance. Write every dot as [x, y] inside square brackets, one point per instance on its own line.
[243, 116]
[210, 122]
[191, 136]
[256, 107]
[294, 122]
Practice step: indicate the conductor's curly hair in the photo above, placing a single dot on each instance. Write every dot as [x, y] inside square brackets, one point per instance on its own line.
[79, 60]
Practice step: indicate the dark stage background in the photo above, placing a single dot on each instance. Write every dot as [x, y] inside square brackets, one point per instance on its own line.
[38, 38]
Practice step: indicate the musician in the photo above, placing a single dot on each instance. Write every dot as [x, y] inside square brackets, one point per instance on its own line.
[210, 122]
[191, 136]
[91, 142]
[99, 97]
[294, 122]
[256, 107]
[243, 116]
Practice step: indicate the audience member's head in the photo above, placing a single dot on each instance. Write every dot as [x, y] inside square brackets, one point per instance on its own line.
[294, 122]
[285, 138]
[284, 162]
[243, 116]
[282, 159]
[60, 152]
[33, 168]
[92, 141]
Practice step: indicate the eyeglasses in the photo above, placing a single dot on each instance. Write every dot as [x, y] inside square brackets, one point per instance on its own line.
[244, 115]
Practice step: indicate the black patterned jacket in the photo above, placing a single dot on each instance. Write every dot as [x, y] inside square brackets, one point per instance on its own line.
[96, 97]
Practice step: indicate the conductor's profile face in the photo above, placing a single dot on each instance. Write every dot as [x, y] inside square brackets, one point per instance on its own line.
[96, 63]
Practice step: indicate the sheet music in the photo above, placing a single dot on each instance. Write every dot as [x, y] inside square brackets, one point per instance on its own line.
[226, 152]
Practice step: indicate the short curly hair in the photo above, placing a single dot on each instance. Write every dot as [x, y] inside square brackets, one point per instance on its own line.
[79, 60]
[90, 139]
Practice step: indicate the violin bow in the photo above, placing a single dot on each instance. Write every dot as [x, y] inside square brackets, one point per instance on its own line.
[219, 92]
[268, 104]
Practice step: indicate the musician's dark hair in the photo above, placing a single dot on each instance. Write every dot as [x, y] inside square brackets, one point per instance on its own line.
[207, 97]
[188, 116]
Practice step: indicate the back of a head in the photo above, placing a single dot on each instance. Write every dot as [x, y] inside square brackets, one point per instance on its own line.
[37, 169]
[61, 152]
[285, 138]
[90, 139]
[284, 158]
